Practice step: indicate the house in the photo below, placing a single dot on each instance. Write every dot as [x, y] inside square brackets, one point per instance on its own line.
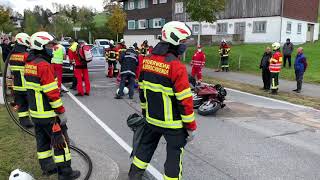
[250, 21]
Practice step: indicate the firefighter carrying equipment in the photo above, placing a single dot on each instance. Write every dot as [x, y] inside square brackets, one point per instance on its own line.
[136, 123]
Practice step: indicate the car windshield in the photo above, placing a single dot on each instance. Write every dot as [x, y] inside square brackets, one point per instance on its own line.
[103, 42]
[98, 52]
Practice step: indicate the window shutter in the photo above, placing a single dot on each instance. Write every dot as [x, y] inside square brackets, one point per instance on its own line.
[135, 4]
[126, 5]
[163, 21]
[136, 24]
[150, 23]
[146, 3]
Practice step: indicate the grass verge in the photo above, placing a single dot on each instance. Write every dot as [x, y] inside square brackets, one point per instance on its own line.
[17, 149]
[289, 97]
[251, 55]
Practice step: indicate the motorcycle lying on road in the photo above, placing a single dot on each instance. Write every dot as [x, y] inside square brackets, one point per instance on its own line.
[207, 98]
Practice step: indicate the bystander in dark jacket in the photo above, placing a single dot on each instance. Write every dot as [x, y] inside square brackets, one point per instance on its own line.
[6, 47]
[264, 66]
[287, 51]
[300, 66]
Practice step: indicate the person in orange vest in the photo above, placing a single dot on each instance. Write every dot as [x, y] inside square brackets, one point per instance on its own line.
[275, 67]
[197, 63]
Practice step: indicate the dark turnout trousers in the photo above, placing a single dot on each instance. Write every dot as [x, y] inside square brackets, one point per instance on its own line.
[274, 82]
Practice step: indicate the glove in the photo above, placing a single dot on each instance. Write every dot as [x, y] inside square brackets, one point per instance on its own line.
[191, 135]
[63, 119]
[57, 138]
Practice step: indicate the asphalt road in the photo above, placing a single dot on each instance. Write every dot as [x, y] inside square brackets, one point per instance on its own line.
[253, 138]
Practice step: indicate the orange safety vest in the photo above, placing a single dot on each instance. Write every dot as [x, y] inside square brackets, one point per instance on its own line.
[275, 62]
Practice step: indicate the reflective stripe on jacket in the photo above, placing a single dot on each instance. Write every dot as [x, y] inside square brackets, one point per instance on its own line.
[275, 62]
[42, 89]
[165, 93]
[17, 61]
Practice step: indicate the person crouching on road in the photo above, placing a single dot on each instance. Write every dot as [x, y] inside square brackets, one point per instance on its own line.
[59, 54]
[47, 111]
[17, 62]
[264, 66]
[275, 67]
[197, 63]
[166, 102]
[300, 66]
[81, 68]
[224, 51]
[129, 63]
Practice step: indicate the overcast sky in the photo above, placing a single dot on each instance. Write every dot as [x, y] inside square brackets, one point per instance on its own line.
[20, 5]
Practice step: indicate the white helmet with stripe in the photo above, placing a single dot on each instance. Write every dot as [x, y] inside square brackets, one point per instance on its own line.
[276, 46]
[23, 39]
[174, 32]
[40, 39]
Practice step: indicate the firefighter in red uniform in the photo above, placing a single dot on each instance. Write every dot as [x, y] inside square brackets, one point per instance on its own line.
[46, 110]
[166, 103]
[197, 63]
[120, 48]
[275, 67]
[111, 56]
[81, 69]
[17, 61]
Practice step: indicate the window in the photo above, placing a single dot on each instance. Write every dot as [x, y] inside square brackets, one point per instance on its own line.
[131, 24]
[162, 1]
[289, 25]
[142, 24]
[222, 28]
[155, 2]
[141, 4]
[299, 28]
[259, 26]
[179, 7]
[158, 23]
[130, 5]
[196, 29]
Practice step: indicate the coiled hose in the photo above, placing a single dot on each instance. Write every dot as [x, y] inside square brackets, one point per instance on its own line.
[83, 154]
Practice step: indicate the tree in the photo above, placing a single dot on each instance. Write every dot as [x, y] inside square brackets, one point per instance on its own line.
[5, 22]
[31, 24]
[204, 10]
[117, 21]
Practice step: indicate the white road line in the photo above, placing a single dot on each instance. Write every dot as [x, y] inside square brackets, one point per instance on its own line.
[275, 100]
[117, 138]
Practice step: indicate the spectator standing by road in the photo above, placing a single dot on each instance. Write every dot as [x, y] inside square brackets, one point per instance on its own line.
[287, 51]
[264, 66]
[300, 66]
[6, 47]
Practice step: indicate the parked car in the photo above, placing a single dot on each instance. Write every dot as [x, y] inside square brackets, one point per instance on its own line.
[67, 67]
[102, 43]
[98, 62]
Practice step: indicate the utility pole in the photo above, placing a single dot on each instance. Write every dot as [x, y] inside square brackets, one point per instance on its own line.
[185, 21]
[200, 29]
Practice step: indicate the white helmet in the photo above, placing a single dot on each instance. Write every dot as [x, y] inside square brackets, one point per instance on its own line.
[40, 39]
[121, 40]
[276, 46]
[20, 175]
[223, 41]
[125, 91]
[174, 32]
[23, 39]
[111, 42]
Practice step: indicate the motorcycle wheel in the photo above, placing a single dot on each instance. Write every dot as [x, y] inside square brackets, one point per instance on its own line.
[197, 101]
[209, 108]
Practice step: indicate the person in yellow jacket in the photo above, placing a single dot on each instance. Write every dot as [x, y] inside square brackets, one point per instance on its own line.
[59, 54]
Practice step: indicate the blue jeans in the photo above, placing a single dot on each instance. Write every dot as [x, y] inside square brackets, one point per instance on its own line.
[131, 81]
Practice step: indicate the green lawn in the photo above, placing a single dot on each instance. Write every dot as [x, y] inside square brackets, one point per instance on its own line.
[251, 55]
[100, 19]
[17, 149]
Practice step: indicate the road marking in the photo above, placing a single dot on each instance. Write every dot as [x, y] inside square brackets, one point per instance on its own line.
[152, 170]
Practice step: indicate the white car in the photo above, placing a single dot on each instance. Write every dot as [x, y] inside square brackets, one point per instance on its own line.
[102, 43]
[98, 62]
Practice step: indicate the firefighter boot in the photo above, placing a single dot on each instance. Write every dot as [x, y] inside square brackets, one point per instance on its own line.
[110, 72]
[66, 173]
[135, 173]
[25, 122]
[50, 169]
